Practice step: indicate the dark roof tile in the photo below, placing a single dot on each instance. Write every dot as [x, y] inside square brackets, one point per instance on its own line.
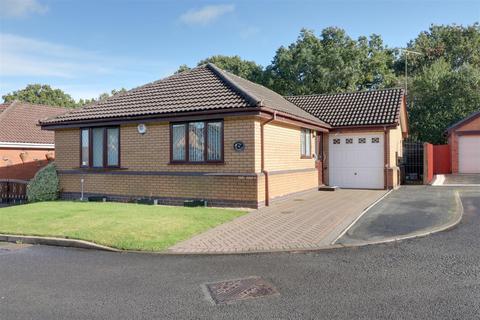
[379, 107]
[203, 88]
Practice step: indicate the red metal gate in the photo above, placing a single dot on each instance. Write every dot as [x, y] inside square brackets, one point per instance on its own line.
[441, 159]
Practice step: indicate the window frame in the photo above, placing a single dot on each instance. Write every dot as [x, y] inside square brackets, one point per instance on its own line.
[205, 144]
[303, 154]
[105, 164]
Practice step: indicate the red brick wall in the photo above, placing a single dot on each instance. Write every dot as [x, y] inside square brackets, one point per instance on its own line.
[12, 166]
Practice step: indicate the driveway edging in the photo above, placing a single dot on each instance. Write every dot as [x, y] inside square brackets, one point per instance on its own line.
[82, 244]
[54, 241]
[444, 227]
[360, 216]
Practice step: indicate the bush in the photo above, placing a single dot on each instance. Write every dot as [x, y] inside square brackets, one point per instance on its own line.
[44, 186]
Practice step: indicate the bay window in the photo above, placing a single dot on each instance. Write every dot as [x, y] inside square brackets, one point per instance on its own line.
[100, 147]
[196, 142]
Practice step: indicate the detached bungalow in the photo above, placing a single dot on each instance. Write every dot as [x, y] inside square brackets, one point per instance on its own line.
[208, 134]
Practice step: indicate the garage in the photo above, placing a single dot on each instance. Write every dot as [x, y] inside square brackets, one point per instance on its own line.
[464, 143]
[356, 161]
[469, 154]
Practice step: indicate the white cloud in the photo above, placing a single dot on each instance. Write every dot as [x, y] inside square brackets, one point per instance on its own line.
[21, 56]
[207, 14]
[21, 8]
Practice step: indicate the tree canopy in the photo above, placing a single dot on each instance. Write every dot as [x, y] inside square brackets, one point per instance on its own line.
[444, 78]
[42, 94]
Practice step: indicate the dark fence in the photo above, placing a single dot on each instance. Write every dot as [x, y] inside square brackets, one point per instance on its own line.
[412, 162]
[13, 191]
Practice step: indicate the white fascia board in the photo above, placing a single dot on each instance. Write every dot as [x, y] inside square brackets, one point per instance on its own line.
[26, 145]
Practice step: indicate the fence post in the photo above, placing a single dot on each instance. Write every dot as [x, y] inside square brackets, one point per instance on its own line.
[427, 163]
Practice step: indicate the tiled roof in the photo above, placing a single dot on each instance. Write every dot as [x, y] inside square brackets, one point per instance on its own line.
[18, 122]
[203, 88]
[379, 107]
[464, 120]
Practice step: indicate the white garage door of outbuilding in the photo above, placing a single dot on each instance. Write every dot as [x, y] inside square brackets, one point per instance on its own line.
[469, 154]
[356, 161]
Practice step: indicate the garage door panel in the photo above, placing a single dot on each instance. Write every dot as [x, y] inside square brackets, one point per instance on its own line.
[357, 164]
[469, 154]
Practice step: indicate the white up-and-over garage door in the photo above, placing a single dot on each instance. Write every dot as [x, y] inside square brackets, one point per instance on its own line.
[469, 154]
[356, 161]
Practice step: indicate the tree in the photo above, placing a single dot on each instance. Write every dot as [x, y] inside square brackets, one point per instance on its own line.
[441, 97]
[234, 64]
[42, 94]
[331, 63]
[455, 44]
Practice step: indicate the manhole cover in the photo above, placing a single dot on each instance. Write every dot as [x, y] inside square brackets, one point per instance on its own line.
[240, 289]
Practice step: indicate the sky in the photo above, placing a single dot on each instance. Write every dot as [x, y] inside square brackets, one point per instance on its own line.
[92, 46]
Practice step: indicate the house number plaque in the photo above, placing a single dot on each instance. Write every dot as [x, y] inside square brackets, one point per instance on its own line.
[239, 146]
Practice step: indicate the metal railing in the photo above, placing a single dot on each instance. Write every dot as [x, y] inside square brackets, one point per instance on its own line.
[13, 191]
[412, 162]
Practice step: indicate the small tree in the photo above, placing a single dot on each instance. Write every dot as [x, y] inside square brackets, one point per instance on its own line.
[45, 185]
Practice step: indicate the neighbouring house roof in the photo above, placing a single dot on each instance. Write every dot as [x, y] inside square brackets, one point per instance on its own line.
[463, 121]
[366, 108]
[18, 122]
[203, 88]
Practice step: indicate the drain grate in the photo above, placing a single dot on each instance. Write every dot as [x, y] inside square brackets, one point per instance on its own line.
[298, 199]
[240, 289]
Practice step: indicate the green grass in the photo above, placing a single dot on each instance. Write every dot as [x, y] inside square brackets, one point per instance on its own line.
[118, 225]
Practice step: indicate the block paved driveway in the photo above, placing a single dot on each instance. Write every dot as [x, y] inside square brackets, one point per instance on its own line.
[307, 221]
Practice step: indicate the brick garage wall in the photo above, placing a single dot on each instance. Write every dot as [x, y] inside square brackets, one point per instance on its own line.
[288, 172]
[473, 125]
[147, 173]
[395, 151]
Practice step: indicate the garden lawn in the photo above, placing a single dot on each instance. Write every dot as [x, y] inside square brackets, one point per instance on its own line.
[118, 225]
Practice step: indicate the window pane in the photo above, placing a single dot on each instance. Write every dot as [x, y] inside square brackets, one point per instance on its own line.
[85, 142]
[196, 141]
[214, 141]
[302, 141]
[112, 146]
[178, 141]
[308, 144]
[97, 135]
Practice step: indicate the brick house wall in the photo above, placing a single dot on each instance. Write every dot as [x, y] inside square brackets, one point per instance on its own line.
[466, 128]
[146, 171]
[22, 164]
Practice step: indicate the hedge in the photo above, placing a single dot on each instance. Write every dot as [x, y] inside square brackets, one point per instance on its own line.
[45, 185]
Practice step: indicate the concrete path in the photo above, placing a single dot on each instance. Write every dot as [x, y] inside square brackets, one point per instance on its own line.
[408, 211]
[462, 179]
[308, 221]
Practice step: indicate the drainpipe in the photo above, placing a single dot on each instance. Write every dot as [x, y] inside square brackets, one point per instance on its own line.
[387, 155]
[262, 153]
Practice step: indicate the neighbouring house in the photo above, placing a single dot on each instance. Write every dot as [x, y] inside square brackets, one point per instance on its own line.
[464, 143]
[24, 147]
[208, 134]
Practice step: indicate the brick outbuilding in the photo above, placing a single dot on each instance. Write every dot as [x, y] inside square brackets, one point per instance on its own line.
[464, 142]
[24, 147]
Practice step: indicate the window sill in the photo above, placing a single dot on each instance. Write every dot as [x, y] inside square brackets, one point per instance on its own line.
[101, 169]
[306, 157]
[196, 163]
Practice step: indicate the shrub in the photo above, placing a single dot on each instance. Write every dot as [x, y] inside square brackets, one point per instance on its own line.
[44, 186]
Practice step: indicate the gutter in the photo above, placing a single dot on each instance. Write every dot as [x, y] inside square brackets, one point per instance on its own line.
[262, 142]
